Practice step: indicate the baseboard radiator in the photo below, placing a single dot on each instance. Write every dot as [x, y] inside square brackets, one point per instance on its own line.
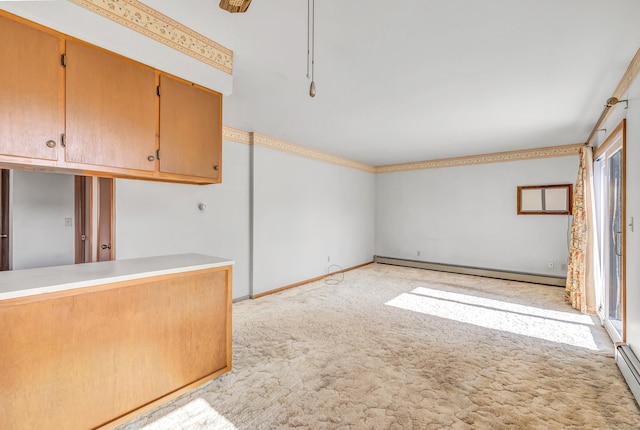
[557, 281]
[630, 369]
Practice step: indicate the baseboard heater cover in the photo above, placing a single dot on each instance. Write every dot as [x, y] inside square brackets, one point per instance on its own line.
[630, 368]
[557, 281]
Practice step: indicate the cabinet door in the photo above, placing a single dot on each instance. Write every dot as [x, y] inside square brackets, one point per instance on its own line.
[30, 89]
[111, 110]
[190, 129]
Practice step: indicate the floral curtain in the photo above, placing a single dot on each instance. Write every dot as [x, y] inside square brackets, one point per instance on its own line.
[580, 270]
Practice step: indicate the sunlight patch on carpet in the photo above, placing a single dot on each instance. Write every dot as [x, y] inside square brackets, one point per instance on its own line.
[549, 325]
[505, 306]
[196, 412]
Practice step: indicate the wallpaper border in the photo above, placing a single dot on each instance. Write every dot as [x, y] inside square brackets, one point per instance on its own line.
[281, 145]
[497, 157]
[250, 138]
[159, 27]
[236, 135]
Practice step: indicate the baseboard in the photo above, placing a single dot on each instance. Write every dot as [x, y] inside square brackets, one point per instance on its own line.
[240, 299]
[308, 281]
[629, 366]
[557, 281]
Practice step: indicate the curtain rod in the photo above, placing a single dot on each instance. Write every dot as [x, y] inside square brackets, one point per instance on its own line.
[611, 102]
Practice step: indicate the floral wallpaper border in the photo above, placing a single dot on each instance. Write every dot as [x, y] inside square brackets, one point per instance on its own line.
[628, 77]
[498, 157]
[159, 27]
[249, 138]
[236, 135]
[281, 145]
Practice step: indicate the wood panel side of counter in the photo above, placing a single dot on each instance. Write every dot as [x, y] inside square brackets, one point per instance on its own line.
[90, 359]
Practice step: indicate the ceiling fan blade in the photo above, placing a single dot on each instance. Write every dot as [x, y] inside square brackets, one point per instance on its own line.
[234, 6]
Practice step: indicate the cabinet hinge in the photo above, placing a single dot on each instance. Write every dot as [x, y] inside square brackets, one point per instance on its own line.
[63, 60]
[158, 90]
[158, 154]
[63, 140]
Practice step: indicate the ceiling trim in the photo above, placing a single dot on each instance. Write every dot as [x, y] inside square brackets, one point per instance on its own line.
[628, 77]
[159, 27]
[624, 84]
[250, 138]
[236, 135]
[281, 145]
[498, 157]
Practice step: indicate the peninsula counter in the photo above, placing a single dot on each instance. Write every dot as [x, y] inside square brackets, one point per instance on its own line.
[92, 345]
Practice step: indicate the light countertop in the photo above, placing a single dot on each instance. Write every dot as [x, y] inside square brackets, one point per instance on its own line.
[29, 282]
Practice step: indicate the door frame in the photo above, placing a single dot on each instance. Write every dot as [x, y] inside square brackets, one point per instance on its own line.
[619, 134]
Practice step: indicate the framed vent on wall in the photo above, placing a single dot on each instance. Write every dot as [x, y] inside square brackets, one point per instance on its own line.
[545, 199]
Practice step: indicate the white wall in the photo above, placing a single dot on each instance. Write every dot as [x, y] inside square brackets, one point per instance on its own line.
[632, 114]
[40, 204]
[467, 216]
[157, 218]
[305, 211]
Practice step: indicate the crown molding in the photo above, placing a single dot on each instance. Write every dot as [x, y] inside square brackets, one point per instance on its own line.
[498, 157]
[159, 27]
[236, 135]
[281, 145]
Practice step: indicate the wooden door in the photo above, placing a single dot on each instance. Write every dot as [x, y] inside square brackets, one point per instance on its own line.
[111, 110]
[4, 220]
[106, 249]
[31, 78]
[190, 129]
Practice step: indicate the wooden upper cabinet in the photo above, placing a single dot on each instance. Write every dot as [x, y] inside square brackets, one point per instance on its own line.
[30, 87]
[108, 108]
[190, 130]
[111, 106]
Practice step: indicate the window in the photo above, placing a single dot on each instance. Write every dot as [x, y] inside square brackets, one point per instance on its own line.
[544, 200]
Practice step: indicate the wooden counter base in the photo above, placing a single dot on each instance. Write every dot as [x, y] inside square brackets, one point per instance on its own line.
[95, 357]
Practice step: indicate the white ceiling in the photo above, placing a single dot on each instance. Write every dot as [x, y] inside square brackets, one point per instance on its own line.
[411, 80]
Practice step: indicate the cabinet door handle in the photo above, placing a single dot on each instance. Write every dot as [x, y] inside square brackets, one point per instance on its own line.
[151, 158]
[216, 167]
[51, 143]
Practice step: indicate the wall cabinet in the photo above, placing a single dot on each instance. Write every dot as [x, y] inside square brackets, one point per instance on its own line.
[111, 110]
[31, 116]
[190, 121]
[119, 118]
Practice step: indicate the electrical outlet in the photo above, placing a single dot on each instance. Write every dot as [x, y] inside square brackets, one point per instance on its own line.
[68, 222]
[418, 253]
[328, 258]
[551, 265]
[563, 267]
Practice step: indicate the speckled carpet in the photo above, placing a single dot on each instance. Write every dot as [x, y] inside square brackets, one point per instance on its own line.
[401, 348]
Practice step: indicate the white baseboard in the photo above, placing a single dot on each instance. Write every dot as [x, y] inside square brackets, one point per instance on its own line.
[630, 368]
[557, 281]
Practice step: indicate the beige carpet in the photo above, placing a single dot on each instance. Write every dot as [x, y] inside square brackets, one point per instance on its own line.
[400, 348]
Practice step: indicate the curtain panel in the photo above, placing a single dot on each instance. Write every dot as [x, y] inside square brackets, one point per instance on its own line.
[580, 270]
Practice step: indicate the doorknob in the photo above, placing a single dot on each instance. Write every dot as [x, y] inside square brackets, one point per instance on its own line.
[3, 236]
[105, 246]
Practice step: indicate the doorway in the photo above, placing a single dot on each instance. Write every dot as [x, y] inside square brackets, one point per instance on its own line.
[4, 219]
[609, 175]
[106, 249]
[94, 213]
